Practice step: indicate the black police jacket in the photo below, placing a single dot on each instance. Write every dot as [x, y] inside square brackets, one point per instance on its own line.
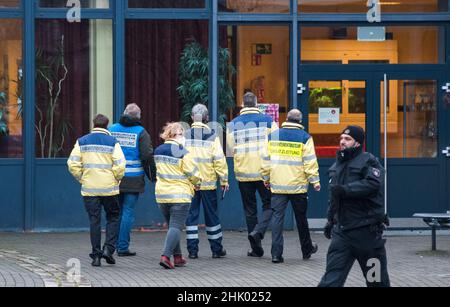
[362, 178]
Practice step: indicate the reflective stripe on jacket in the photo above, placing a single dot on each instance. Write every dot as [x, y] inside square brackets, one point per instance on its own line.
[207, 153]
[176, 174]
[98, 163]
[291, 163]
[247, 140]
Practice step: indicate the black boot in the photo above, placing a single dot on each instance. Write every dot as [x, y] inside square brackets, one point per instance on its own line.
[255, 243]
[108, 257]
[220, 254]
[96, 261]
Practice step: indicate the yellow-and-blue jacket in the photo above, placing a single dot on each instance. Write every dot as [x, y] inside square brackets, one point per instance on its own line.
[176, 174]
[292, 162]
[98, 163]
[207, 152]
[247, 140]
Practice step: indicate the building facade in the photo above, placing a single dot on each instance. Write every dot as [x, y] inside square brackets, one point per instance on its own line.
[383, 65]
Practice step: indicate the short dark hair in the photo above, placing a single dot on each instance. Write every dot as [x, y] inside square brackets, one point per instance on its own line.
[101, 121]
[250, 100]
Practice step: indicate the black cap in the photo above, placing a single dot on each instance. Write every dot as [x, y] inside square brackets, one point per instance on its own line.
[355, 132]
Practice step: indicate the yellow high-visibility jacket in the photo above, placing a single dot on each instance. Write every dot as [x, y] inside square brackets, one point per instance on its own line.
[176, 174]
[98, 163]
[247, 141]
[291, 163]
[207, 153]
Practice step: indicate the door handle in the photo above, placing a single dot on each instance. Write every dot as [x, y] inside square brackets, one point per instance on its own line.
[300, 88]
[446, 151]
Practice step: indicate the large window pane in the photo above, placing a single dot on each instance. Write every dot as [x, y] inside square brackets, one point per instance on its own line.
[74, 78]
[162, 4]
[97, 4]
[11, 89]
[260, 55]
[411, 119]
[373, 45]
[254, 6]
[9, 3]
[360, 6]
[162, 56]
[333, 105]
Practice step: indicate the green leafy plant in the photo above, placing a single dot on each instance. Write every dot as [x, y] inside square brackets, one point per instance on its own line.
[324, 98]
[193, 78]
[3, 114]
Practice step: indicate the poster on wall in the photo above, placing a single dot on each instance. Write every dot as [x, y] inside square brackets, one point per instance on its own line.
[329, 116]
[271, 109]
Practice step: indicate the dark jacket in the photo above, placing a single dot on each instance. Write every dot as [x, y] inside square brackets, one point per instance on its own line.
[362, 177]
[137, 184]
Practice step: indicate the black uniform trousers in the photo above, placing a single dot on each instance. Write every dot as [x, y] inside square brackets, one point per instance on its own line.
[110, 204]
[248, 193]
[367, 246]
[299, 203]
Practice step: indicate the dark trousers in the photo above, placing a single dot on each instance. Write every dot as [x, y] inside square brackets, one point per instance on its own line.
[299, 203]
[110, 204]
[248, 194]
[366, 245]
[213, 228]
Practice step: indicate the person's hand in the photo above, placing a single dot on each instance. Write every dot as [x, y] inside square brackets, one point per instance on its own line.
[337, 190]
[225, 187]
[317, 187]
[327, 230]
[267, 185]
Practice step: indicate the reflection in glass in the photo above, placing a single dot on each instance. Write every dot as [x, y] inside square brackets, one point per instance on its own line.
[9, 3]
[261, 55]
[254, 6]
[73, 81]
[413, 131]
[154, 50]
[372, 45]
[325, 124]
[11, 89]
[161, 4]
[96, 4]
[360, 6]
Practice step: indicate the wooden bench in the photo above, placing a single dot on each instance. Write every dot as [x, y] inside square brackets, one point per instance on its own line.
[435, 221]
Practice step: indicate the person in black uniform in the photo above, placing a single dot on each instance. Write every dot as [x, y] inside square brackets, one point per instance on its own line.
[356, 217]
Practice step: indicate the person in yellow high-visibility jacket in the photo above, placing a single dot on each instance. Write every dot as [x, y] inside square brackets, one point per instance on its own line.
[98, 163]
[247, 139]
[204, 144]
[177, 180]
[290, 168]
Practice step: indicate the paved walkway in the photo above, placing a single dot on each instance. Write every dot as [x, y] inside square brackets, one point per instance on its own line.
[38, 260]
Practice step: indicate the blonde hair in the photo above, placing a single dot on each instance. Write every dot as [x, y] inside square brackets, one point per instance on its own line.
[171, 130]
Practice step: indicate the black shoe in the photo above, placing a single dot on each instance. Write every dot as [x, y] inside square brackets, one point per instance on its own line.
[96, 261]
[108, 257]
[277, 259]
[252, 253]
[126, 254]
[313, 251]
[193, 255]
[220, 254]
[255, 243]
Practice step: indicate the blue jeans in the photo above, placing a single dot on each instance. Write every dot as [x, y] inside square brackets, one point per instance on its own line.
[127, 202]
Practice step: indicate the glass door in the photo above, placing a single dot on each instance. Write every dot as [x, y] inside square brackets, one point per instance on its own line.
[412, 139]
[330, 102]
